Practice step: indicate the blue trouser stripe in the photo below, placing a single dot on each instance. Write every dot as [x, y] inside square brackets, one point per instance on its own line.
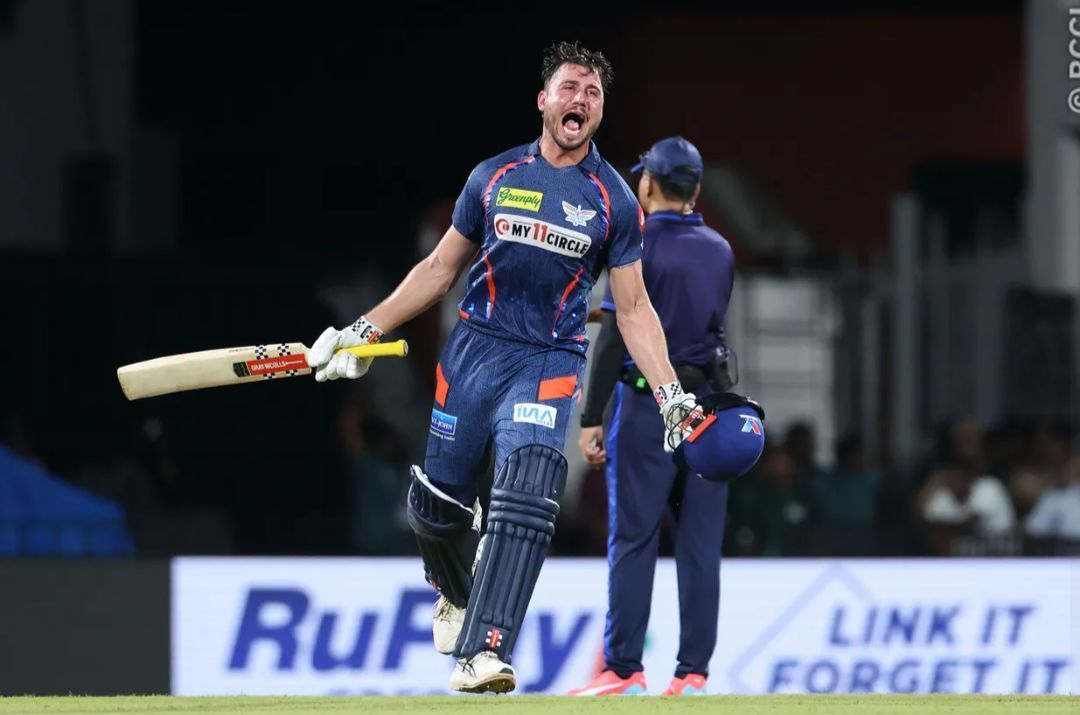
[613, 503]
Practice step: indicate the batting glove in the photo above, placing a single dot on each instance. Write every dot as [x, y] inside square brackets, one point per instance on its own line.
[329, 364]
[681, 413]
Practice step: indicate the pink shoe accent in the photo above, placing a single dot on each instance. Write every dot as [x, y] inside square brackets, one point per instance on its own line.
[692, 684]
[608, 683]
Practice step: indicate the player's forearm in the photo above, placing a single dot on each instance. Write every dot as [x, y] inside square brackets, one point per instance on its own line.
[644, 337]
[425, 285]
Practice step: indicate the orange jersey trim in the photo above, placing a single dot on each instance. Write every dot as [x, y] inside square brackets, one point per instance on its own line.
[557, 387]
[441, 386]
[607, 203]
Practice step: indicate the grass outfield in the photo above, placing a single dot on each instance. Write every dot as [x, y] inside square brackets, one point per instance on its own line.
[728, 704]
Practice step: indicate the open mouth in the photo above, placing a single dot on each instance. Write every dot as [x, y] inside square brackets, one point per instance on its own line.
[573, 122]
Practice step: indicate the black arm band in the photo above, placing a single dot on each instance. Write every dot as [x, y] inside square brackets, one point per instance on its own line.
[607, 366]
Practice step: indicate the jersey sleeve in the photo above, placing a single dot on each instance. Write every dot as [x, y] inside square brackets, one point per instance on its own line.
[469, 209]
[627, 224]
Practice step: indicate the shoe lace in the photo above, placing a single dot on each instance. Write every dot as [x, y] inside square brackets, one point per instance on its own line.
[444, 610]
[470, 664]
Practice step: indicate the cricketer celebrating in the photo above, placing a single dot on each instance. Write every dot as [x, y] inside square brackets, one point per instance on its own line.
[538, 223]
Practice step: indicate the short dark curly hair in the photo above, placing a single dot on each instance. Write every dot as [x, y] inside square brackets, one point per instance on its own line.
[562, 53]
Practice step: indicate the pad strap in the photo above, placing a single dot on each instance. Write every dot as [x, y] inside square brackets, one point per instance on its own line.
[726, 400]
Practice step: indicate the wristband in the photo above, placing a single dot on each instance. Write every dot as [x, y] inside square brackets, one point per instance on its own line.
[366, 331]
[666, 393]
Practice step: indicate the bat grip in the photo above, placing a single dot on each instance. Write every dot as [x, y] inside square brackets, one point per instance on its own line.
[398, 348]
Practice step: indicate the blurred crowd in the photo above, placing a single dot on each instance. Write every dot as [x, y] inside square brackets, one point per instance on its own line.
[1013, 490]
[1010, 490]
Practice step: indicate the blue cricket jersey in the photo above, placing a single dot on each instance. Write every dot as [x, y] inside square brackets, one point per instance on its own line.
[689, 270]
[545, 235]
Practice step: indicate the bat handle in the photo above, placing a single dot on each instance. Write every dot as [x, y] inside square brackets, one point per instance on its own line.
[398, 348]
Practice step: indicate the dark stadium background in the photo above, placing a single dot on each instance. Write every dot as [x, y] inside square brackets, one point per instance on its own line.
[267, 149]
[178, 175]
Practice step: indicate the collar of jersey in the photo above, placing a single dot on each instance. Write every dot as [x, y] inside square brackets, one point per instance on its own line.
[590, 164]
[676, 217]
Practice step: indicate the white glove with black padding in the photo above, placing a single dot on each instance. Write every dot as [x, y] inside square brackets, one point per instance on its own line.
[329, 364]
[681, 413]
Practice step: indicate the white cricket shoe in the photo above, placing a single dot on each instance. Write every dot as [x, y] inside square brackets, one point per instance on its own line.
[446, 623]
[447, 620]
[483, 673]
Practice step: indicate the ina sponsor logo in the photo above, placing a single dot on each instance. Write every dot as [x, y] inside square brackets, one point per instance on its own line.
[519, 199]
[534, 414]
[443, 425]
[541, 234]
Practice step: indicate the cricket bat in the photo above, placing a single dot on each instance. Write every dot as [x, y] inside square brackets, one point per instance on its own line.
[230, 366]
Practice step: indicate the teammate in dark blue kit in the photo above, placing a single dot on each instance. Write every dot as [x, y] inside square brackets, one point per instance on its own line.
[538, 223]
[688, 270]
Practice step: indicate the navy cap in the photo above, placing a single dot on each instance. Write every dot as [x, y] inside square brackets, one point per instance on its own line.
[673, 158]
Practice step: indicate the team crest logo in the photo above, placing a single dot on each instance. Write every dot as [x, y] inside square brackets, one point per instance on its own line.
[751, 424]
[576, 215]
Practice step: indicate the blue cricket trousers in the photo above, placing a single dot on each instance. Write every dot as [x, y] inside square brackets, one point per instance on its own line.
[491, 388]
[643, 483]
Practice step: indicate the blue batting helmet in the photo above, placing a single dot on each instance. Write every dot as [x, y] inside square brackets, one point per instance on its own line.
[728, 443]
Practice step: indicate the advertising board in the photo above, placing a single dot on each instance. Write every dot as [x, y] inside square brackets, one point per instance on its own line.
[363, 626]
